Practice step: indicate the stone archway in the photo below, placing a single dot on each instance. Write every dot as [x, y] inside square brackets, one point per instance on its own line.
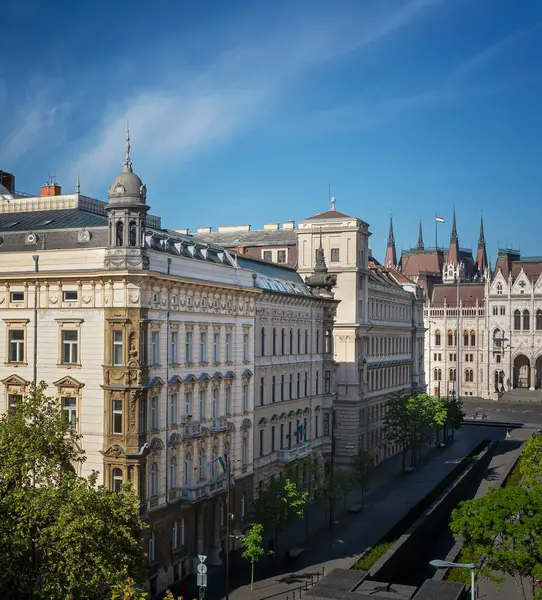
[522, 372]
[538, 373]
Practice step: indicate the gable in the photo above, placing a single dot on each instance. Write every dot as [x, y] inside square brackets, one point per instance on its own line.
[522, 285]
[499, 282]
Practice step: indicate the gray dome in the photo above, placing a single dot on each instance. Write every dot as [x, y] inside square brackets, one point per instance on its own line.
[127, 188]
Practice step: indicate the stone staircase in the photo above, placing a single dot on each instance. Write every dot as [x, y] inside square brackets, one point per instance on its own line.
[523, 396]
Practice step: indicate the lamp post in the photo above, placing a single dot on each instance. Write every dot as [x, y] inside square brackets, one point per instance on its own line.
[444, 564]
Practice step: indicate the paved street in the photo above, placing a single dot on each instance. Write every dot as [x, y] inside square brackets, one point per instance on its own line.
[392, 495]
[530, 415]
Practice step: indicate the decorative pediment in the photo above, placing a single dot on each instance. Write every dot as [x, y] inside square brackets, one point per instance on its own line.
[307, 411]
[274, 419]
[217, 376]
[154, 382]
[522, 285]
[263, 421]
[114, 451]
[247, 373]
[499, 285]
[538, 285]
[299, 412]
[291, 413]
[175, 380]
[68, 382]
[15, 380]
[246, 424]
[283, 416]
[229, 375]
[204, 377]
[317, 409]
[156, 445]
[175, 440]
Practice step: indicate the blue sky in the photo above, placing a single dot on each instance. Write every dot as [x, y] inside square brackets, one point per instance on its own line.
[243, 111]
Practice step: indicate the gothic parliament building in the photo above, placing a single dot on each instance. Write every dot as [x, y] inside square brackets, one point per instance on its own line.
[492, 317]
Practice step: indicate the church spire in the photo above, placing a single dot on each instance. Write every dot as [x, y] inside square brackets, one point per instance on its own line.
[420, 237]
[391, 255]
[453, 250]
[127, 161]
[481, 256]
[453, 236]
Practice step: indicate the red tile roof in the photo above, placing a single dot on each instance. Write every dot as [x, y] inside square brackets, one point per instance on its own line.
[330, 214]
[469, 293]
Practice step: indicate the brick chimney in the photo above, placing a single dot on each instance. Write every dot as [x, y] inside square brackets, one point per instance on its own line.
[50, 190]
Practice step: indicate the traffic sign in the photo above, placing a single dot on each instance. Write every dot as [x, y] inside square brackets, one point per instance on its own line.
[202, 557]
[202, 580]
[202, 568]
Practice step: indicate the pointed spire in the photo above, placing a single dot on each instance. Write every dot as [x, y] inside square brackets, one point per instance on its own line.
[420, 237]
[320, 263]
[391, 255]
[127, 161]
[453, 236]
[333, 200]
[78, 185]
[391, 238]
[481, 238]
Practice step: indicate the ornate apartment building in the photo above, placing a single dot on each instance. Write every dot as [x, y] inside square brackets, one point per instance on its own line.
[378, 332]
[148, 338]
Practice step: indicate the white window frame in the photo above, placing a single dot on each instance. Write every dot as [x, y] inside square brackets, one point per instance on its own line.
[228, 347]
[188, 347]
[174, 336]
[188, 403]
[116, 479]
[117, 417]
[69, 412]
[17, 349]
[228, 399]
[173, 408]
[202, 402]
[246, 342]
[155, 348]
[154, 412]
[117, 358]
[69, 348]
[216, 348]
[245, 397]
[203, 347]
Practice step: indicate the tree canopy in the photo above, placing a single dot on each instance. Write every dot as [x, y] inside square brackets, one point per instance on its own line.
[61, 536]
[504, 528]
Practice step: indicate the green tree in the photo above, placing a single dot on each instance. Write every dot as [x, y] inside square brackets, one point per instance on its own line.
[454, 414]
[251, 543]
[398, 423]
[61, 536]
[281, 503]
[504, 528]
[362, 467]
[530, 462]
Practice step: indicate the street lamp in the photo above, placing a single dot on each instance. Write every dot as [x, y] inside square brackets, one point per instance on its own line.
[444, 564]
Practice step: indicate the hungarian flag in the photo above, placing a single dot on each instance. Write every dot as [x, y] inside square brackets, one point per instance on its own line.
[439, 219]
[223, 460]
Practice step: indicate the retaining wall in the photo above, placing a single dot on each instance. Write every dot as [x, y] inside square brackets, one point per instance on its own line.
[402, 556]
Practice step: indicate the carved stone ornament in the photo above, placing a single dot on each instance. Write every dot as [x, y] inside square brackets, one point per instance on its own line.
[86, 299]
[84, 236]
[133, 406]
[53, 299]
[2, 299]
[114, 451]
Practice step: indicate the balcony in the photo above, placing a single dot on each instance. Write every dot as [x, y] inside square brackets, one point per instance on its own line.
[219, 424]
[203, 490]
[301, 451]
[192, 429]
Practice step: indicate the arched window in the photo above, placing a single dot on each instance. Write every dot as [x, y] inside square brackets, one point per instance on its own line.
[465, 338]
[119, 239]
[517, 320]
[243, 506]
[133, 233]
[450, 337]
[437, 337]
[329, 341]
[498, 378]
[154, 479]
[291, 341]
[283, 341]
[187, 469]
[499, 288]
[274, 341]
[469, 375]
[172, 473]
[497, 338]
[451, 375]
[116, 480]
[306, 341]
[539, 319]
[526, 320]
[472, 337]
[437, 374]
[262, 342]
[152, 548]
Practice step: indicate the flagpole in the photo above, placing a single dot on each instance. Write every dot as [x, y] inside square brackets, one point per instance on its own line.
[228, 517]
[436, 232]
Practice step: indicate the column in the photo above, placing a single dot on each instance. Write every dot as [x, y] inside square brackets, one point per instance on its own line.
[532, 371]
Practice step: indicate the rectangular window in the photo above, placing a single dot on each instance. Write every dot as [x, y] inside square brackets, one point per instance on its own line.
[188, 404]
[117, 417]
[228, 347]
[282, 388]
[173, 343]
[281, 436]
[188, 347]
[290, 386]
[215, 403]
[173, 409]
[327, 382]
[143, 343]
[117, 347]
[335, 255]
[281, 257]
[273, 386]
[306, 384]
[143, 415]
[69, 410]
[203, 346]
[298, 386]
[261, 442]
[228, 400]
[155, 345]
[69, 295]
[262, 388]
[272, 438]
[202, 398]
[317, 382]
[245, 347]
[17, 296]
[12, 401]
[245, 398]
[216, 347]
[268, 255]
[495, 310]
[154, 413]
[16, 345]
[69, 346]
[503, 310]
[316, 426]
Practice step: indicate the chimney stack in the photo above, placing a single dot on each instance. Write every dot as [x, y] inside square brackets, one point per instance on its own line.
[51, 189]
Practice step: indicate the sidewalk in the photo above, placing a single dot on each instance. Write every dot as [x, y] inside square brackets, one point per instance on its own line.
[390, 497]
